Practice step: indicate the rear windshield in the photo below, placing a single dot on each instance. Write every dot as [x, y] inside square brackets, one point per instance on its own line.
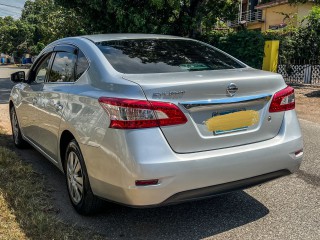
[134, 56]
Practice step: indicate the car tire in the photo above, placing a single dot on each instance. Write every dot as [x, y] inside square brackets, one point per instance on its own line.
[18, 141]
[79, 190]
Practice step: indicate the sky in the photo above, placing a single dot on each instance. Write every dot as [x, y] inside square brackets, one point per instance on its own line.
[11, 8]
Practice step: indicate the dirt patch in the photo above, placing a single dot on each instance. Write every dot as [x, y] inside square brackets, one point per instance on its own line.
[4, 118]
[308, 103]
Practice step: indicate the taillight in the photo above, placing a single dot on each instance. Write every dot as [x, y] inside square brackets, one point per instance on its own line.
[283, 100]
[131, 113]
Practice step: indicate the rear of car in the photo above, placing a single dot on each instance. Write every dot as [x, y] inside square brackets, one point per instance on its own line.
[208, 124]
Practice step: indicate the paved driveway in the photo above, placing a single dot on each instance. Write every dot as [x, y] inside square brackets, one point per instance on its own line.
[287, 208]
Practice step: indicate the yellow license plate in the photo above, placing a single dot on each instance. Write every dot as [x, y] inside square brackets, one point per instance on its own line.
[232, 121]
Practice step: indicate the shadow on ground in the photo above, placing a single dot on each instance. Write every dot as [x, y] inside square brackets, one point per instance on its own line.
[313, 94]
[192, 220]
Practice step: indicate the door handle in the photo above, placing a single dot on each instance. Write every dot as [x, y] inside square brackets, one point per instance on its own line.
[58, 106]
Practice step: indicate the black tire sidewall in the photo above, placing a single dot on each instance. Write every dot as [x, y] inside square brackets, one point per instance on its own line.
[20, 142]
[80, 207]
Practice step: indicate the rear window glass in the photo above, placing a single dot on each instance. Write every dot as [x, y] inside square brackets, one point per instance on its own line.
[134, 56]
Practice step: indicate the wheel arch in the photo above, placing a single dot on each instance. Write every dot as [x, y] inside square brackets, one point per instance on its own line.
[11, 104]
[65, 138]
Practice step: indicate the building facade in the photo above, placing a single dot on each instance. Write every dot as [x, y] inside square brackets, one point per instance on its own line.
[262, 15]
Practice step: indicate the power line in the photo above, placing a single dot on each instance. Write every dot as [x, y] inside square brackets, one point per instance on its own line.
[9, 13]
[9, 10]
[7, 5]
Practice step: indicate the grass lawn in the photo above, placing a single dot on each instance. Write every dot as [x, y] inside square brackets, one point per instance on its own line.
[25, 208]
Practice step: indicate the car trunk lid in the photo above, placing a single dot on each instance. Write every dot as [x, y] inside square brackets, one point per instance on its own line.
[216, 118]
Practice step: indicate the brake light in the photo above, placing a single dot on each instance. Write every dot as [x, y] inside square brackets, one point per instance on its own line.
[283, 100]
[147, 182]
[131, 113]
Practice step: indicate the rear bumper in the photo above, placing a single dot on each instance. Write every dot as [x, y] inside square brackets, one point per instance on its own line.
[191, 176]
[207, 192]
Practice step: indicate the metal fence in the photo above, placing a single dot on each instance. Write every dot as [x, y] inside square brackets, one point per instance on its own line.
[245, 17]
[300, 72]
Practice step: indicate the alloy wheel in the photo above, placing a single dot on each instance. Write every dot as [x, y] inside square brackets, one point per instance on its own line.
[74, 177]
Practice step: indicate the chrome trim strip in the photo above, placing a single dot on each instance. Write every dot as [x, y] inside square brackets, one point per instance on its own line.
[210, 102]
[230, 131]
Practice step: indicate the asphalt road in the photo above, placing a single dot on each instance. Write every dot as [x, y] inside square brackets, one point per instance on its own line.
[287, 208]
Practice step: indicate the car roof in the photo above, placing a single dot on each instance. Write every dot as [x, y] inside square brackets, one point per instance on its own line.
[120, 36]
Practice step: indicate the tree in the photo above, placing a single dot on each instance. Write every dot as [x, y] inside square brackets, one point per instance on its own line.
[179, 17]
[42, 22]
[307, 39]
[15, 36]
[50, 21]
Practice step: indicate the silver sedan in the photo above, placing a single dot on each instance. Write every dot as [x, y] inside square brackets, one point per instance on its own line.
[149, 120]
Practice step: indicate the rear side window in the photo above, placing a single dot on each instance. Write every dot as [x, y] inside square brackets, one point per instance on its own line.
[82, 64]
[134, 56]
[63, 67]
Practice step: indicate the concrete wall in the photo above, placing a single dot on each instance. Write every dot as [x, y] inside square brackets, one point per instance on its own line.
[276, 14]
[255, 26]
[273, 14]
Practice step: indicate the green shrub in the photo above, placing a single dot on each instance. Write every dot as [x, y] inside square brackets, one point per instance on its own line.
[296, 43]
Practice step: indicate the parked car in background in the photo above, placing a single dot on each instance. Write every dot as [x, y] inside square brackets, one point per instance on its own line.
[148, 120]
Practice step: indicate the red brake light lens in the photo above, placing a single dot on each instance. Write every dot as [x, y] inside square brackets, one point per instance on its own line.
[147, 182]
[283, 100]
[131, 113]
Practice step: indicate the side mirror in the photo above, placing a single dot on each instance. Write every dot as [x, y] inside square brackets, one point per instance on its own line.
[18, 77]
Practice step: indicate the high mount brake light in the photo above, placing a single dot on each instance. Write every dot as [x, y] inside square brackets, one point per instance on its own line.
[283, 100]
[132, 113]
